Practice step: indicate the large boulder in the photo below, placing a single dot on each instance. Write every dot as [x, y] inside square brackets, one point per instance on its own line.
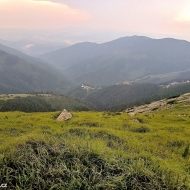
[65, 115]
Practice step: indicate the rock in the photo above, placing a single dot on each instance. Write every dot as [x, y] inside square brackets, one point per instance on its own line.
[146, 108]
[159, 105]
[65, 115]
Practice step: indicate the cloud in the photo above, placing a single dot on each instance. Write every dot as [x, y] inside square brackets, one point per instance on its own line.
[38, 14]
[168, 18]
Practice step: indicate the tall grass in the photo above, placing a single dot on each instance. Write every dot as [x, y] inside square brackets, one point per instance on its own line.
[95, 150]
[45, 165]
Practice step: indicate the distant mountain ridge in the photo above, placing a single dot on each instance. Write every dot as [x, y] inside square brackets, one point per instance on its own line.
[164, 77]
[64, 58]
[34, 48]
[124, 59]
[15, 52]
[21, 73]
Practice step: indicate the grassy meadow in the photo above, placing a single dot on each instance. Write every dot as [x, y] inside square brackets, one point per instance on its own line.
[96, 150]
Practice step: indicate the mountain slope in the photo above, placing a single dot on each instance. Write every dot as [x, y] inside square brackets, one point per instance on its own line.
[113, 96]
[66, 57]
[120, 97]
[97, 150]
[161, 78]
[19, 75]
[34, 48]
[124, 59]
[18, 53]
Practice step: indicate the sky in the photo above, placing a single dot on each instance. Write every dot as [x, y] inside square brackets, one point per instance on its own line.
[90, 20]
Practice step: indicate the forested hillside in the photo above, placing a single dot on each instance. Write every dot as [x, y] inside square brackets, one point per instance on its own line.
[116, 95]
[122, 96]
[41, 103]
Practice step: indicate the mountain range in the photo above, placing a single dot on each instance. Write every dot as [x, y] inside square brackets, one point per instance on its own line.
[121, 60]
[135, 59]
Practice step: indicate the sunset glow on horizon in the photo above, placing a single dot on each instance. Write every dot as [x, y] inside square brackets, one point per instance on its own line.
[184, 15]
[169, 18]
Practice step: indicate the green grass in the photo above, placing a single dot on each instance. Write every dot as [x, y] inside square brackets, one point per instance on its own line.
[96, 150]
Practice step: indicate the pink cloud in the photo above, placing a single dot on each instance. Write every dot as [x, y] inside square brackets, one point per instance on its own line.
[38, 14]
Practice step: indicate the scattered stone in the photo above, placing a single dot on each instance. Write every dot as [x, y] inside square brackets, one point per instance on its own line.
[65, 115]
[136, 120]
[181, 115]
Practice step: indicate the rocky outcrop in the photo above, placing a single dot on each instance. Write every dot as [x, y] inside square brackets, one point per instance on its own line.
[65, 115]
[159, 105]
